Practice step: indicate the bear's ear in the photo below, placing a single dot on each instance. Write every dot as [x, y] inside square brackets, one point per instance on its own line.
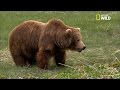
[78, 29]
[68, 31]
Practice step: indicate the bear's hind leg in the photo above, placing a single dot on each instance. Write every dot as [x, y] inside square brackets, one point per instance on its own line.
[42, 59]
[31, 61]
[19, 60]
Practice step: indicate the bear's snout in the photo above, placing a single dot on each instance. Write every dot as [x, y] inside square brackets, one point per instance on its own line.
[79, 49]
[83, 47]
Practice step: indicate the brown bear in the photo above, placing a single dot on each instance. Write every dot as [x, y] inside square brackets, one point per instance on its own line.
[33, 42]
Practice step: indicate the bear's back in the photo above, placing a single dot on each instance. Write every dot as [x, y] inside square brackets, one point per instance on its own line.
[26, 35]
[28, 28]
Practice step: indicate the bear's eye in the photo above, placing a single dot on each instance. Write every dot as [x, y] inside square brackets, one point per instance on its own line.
[78, 40]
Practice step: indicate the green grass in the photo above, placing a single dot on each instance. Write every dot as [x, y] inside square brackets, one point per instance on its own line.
[99, 60]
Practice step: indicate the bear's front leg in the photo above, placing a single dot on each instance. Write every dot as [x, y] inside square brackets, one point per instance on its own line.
[60, 56]
[42, 59]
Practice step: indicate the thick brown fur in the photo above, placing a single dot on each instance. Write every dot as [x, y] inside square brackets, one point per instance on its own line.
[33, 42]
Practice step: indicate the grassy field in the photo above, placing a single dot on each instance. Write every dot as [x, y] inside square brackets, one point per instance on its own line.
[100, 60]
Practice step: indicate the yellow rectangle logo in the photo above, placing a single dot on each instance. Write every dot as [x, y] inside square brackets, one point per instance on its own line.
[97, 16]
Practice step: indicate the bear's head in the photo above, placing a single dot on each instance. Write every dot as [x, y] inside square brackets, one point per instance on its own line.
[74, 39]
